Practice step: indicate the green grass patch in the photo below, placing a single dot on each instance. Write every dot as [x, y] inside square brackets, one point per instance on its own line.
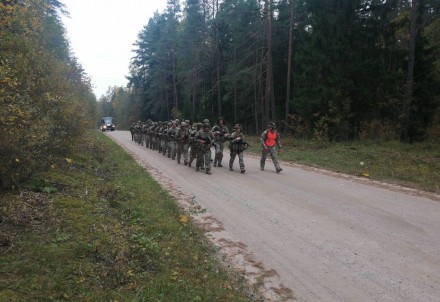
[97, 227]
[416, 165]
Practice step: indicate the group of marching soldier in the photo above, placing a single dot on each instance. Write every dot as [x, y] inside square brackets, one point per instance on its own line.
[177, 139]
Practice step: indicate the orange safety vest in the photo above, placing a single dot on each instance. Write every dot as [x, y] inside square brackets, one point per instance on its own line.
[271, 139]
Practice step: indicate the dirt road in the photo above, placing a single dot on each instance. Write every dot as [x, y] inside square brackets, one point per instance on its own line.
[308, 235]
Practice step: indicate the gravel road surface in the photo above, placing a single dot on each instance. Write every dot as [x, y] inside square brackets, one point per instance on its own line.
[310, 235]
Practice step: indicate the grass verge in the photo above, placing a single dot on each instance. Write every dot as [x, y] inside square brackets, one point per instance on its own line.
[97, 227]
[416, 166]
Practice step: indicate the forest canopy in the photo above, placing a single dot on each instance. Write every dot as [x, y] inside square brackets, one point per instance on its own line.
[335, 69]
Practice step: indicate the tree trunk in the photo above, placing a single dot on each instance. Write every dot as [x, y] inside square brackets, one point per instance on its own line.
[176, 103]
[289, 64]
[407, 103]
[269, 98]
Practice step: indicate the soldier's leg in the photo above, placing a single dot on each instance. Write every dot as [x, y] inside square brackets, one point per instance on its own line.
[263, 158]
[208, 161]
[174, 150]
[241, 162]
[168, 149]
[185, 153]
[215, 154]
[217, 149]
[275, 160]
[179, 152]
[231, 160]
[220, 154]
[193, 155]
[200, 158]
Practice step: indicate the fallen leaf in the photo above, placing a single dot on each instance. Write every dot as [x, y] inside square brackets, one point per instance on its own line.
[184, 219]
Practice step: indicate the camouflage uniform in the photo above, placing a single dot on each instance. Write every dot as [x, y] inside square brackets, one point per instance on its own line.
[237, 145]
[151, 135]
[193, 143]
[182, 138]
[138, 133]
[204, 138]
[162, 136]
[145, 131]
[220, 132]
[171, 141]
[156, 139]
[272, 150]
[132, 131]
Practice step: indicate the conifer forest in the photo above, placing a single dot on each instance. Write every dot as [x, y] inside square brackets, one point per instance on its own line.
[337, 70]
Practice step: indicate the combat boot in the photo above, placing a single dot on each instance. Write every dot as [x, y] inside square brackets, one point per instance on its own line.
[262, 162]
[208, 171]
[220, 164]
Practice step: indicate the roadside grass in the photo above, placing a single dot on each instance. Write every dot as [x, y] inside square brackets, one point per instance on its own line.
[97, 227]
[416, 165]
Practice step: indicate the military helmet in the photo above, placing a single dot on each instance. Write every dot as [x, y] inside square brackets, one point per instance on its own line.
[238, 126]
[220, 119]
[206, 125]
[206, 121]
[183, 124]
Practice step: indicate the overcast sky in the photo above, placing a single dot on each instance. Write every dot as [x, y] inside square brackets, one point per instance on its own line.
[102, 33]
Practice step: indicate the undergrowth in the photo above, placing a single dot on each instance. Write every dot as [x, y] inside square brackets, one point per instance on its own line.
[416, 165]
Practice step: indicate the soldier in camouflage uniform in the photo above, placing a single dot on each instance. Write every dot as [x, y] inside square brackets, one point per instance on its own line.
[204, 138]
[172, 144]
[193, 143]
[150, 133]
[270, 141]
[138, 132]
[220, 132]
[145, 137]
[237, 145]
[182, 138]
[132, 131]
[162, 144]
[156, 135]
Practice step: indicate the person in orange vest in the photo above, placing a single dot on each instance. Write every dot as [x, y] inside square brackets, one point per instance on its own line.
[270, 140]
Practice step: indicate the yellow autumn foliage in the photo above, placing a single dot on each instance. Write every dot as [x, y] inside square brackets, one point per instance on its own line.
[46, 100]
